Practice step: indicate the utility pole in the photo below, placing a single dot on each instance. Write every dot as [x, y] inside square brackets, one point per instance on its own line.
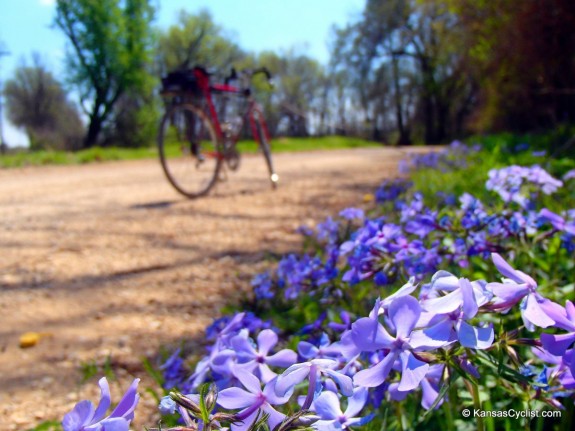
[3, 145]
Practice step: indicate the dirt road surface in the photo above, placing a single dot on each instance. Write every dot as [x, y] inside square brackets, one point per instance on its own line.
[107, 261]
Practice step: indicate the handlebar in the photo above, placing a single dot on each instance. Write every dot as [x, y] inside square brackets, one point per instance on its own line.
[249, 74]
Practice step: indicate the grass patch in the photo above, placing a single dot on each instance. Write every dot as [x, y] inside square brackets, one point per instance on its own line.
[21, 158]
[288, 145]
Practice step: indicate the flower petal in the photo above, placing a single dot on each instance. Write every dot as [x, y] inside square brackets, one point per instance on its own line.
[267, 339]
[469, 303]
[474, 337]
[250, 382]
[508, 271]
[532, 311]
[115, 424]
[344, 382]
[307, 350]
[284, 358]
[376, 375]
[327, 406]
[404, 313]
[557, 344]
[438, 335]
[413, 372]
[80, 416]
[235, 398]
[291, 377]
[274, 418]
[429, 395]
[369, 335]
[356, 403]
[128, 403]
[105, 400]
[444, 304]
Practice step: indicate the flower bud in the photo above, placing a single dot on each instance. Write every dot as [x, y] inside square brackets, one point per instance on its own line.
[186, 403]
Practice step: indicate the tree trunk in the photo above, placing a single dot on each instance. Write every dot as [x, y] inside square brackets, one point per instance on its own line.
[404, 138]
[94, 129]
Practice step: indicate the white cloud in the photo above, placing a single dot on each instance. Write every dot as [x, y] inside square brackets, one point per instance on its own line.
[47, 2]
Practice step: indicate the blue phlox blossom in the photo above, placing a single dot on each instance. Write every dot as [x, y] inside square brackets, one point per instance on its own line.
[327, 406]
[313, 370]
[448, 314]
[370, 336]
[252, 400]
[352, 214]
[328, 231]
[519, 287]
[86, 417]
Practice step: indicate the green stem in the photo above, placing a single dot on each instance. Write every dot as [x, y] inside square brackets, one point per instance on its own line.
[477, 405]
[399, 415]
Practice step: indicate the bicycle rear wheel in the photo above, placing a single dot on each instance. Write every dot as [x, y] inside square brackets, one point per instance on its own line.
[189, 150]
[261, 130]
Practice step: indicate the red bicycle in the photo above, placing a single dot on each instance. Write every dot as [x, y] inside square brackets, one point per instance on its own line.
[197, 138]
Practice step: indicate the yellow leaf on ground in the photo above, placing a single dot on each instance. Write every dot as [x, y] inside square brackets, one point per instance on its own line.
[368, 197]
[29, 339]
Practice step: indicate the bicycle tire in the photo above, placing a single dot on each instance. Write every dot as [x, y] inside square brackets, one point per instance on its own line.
[190, 152]
[265, 146]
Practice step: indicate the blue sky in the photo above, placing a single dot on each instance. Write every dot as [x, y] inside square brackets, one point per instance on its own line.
[256, 25]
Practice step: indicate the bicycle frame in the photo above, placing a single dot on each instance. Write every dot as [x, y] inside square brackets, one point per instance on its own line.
[253, 107]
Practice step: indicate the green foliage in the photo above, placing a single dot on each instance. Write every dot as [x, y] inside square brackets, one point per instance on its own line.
[110, 54]
[99, 154]
[36, 102]
[196, 40]
[47, 426]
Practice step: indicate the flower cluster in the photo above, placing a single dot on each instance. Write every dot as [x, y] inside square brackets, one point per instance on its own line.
[335, 346]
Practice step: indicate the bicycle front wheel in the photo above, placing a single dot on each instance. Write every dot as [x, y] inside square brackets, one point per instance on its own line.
[263, 137]
[189, 149]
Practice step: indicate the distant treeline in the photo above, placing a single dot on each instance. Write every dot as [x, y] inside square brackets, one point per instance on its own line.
[402, 72]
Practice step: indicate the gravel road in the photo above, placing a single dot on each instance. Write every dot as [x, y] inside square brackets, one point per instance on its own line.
[107, 261]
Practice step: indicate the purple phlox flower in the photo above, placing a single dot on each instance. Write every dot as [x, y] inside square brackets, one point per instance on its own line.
[516, 287]
[328, 231]
[559, 369]
[422, 224]
[345, 322]
[430, 386]
[510, 182]
[352, 214]
[173, 370]
[257, 358]
[557, 344]
[370, 336]
[227, 328]
[262, 284]
[381, 305]
[252, 401]
[316, 325]
[315, 368]
[297, 273]
[391, 190]
[448, 314]
[327, 406]
[557, 221]
[325, 349]
[84, 417]
[569, 175]
[413, 208]
[405, 249]
[304, 230]
[523, 222]
[167, 406]
[386, 234]
[346, 346]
